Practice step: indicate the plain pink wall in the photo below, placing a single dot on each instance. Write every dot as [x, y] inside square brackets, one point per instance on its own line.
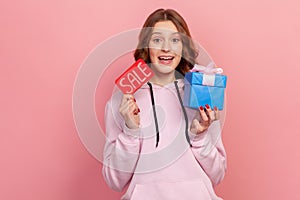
[43, 43]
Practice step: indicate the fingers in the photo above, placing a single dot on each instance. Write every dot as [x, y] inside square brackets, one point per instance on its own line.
[130, 111]
[127, 97]
[128, 105]
[209, 115]
[217, 113]
[203, 115]
[136, 119]
[133, 108]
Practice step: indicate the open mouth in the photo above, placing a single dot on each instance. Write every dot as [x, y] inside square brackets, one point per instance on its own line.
[166, 58]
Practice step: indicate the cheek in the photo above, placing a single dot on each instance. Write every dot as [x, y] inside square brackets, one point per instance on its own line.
[177, 49]
[153, 54]
[178, 59]
[180, 49]
[178, 52]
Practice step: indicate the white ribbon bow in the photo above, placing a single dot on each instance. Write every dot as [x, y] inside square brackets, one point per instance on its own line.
[209, 69]
[208, 73]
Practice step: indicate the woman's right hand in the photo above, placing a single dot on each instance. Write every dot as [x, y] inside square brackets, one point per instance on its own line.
[130, 111]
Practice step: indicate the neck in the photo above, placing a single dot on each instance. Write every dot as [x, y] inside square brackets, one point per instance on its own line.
[164, 79]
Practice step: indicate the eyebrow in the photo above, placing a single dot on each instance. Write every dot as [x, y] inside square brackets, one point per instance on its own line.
[159, 33]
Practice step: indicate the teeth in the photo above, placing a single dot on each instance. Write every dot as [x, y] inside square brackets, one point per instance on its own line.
[165, 57]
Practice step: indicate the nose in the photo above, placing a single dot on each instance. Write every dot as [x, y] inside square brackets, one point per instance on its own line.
[165, 46]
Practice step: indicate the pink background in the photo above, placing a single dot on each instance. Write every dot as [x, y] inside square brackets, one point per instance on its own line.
[43, 43]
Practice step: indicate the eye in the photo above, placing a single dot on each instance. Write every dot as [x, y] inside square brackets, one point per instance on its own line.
[156, 40]
[175, 40]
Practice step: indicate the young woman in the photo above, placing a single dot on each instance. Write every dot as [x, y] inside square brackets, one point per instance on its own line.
[155, 146]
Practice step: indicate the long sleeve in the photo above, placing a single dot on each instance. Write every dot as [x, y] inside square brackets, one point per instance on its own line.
[209, 151]
[121, 151]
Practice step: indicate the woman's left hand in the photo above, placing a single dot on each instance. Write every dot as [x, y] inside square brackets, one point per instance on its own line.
[203, 119]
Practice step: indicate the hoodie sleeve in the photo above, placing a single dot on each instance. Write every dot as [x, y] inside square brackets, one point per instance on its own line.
[121, 150]
[209, 151]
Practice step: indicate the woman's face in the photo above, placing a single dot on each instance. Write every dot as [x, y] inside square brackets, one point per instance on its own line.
[165, 47]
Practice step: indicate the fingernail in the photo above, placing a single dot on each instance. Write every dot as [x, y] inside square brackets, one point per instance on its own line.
[201, 108]
[134, 100]
[139, 110]
[207, 106]
[215, 108]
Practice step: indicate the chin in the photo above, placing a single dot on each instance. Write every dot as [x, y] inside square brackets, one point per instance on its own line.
[164, 68]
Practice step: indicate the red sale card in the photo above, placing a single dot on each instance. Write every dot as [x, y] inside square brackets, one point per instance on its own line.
[134, 77]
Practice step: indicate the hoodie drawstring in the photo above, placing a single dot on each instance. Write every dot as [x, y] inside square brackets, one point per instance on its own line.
[185, 115]
[154, 113]
[155, 116]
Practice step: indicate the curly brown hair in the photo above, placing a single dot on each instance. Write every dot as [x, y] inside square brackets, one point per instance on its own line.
[189, 52]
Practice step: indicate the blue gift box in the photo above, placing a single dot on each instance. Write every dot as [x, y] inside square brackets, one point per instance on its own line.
[201, 89]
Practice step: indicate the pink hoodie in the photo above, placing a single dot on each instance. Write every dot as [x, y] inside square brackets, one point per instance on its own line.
[173, 169]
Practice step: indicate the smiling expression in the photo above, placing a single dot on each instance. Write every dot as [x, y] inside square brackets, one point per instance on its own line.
[165, 47]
